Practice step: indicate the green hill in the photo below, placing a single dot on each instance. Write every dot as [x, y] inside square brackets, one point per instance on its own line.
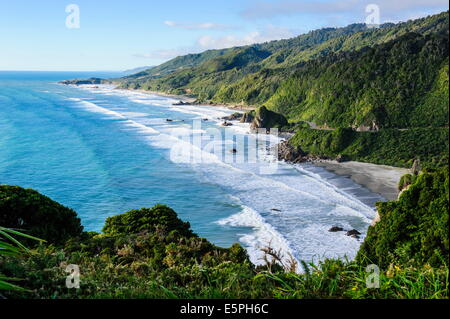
[393, 76]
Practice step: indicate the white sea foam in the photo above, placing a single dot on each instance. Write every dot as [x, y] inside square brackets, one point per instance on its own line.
[290, 211]
[264, 235]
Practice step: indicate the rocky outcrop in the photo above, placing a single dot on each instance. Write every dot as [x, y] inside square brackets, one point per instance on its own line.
[289, 153]
[341, 158]
[83, 81]
[182, 103]
[248, 117]
[416, 167]
[233, 117]
[351, 233]
[267, 119]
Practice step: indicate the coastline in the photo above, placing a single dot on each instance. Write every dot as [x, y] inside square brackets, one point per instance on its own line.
[380, 179]
[192, 100]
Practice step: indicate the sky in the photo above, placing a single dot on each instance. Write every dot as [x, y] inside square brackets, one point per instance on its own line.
[100, 35]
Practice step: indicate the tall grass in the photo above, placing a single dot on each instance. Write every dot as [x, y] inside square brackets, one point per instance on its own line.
[343, 279]
[9, 246]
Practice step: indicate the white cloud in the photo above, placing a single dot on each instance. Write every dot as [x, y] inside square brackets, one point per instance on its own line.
[398, 9]
[163, 54]
[198, 26]
[268, 34]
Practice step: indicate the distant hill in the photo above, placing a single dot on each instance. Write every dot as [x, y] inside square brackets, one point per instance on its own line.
[137, 70]
[393, 76]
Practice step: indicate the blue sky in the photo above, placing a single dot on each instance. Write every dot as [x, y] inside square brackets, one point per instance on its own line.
[118, 35]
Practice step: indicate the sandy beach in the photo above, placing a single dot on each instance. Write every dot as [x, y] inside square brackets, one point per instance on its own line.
[380, 179]
[188, 99]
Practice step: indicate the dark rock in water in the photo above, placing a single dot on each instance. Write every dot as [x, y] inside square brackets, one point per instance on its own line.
[335, 229]
[341, 158]
[233, 117]
[182, 103]
[248, 117]
[289, 153]
[276, 210]
[355, 236]
[169, 120]
[267, 119]
[353, 233]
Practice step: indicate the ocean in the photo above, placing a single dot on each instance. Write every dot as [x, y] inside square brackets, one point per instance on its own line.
[103, 151]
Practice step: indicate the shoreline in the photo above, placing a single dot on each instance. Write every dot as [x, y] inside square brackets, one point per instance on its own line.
[379, 179]
[191, 100]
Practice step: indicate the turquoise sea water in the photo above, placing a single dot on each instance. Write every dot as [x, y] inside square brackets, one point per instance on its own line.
[102, 152]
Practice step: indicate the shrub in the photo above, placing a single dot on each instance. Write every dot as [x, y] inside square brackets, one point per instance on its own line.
[40, 216]
[146, 219]
[414, 229]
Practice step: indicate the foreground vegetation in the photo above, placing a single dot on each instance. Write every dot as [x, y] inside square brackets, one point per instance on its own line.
[150, 253]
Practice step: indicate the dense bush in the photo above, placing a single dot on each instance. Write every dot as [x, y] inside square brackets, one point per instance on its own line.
[145, 219]
[406, 180]
[414, 229]
[267, 119]
[38, 215]
[153, 260]
[388, 146]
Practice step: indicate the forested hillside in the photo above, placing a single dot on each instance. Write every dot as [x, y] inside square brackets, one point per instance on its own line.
[151, 253]
[394, 76]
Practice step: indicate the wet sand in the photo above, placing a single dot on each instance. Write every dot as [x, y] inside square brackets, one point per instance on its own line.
[380, 179]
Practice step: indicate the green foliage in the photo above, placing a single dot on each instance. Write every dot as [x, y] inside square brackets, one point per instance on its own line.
[37, 214]
[414, 229]
[406, 180]
[145, 219]
[10, 246]
[390, 85]
[388, 146]
[159, 257]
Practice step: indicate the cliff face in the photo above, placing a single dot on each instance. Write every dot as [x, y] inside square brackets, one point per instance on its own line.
[331, 76]
[267, 119]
